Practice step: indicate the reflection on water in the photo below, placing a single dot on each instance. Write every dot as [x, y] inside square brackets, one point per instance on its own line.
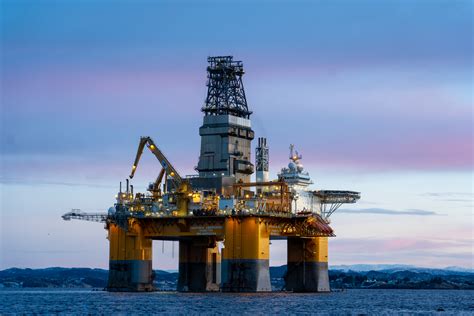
[353, 302]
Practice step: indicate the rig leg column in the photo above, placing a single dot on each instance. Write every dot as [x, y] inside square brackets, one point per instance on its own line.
[199, 265]
[130, 260]
[245, 264]
[307, 265]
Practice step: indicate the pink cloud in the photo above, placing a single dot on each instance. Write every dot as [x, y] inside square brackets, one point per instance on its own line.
[431, 252]
[102, 90]
[392, 126]
[447, 152]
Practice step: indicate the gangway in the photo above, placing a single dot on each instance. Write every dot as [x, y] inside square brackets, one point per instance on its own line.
[83, 216]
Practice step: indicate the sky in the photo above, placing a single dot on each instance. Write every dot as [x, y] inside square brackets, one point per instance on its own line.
[376, 95]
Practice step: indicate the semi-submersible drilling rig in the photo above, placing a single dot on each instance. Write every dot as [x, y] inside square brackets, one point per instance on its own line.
[223, 221]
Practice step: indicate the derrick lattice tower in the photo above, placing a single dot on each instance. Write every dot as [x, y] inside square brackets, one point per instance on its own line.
[226, 133]
[225, 89]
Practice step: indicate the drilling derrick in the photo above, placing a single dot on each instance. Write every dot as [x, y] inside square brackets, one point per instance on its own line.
[226, 133]
[222, 221]
[225, 90]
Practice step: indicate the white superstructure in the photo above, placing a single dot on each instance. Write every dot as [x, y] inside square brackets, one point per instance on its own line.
[304, 199]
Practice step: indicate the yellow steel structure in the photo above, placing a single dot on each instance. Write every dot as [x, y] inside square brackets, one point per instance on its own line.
[130, 263]
[307, 263]
[241, 265]
[129, 245]
[246, 238]
[199, 265]
[246, 254]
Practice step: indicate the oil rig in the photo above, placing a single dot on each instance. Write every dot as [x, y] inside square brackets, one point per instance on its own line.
[222, 219]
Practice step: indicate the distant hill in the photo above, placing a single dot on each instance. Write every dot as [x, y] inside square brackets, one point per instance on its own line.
[71, 278]
[53, 277]
[399, 267]
[389, 276]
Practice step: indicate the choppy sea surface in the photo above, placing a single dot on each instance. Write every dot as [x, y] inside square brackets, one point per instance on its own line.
[349, 302]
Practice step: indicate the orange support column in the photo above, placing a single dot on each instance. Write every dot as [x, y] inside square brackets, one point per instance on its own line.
[307, 265]
[130, 260]
[199, 265]
[245, 263]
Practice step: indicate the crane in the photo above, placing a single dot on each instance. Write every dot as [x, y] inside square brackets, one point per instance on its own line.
[167, 167]
[181, 186]
[154, 187]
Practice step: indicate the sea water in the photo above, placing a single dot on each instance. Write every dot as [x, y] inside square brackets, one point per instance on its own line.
[349, 302]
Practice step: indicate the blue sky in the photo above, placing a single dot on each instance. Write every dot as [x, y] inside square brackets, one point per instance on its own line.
[376, 95]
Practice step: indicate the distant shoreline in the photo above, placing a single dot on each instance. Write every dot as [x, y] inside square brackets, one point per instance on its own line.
[414, 279]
